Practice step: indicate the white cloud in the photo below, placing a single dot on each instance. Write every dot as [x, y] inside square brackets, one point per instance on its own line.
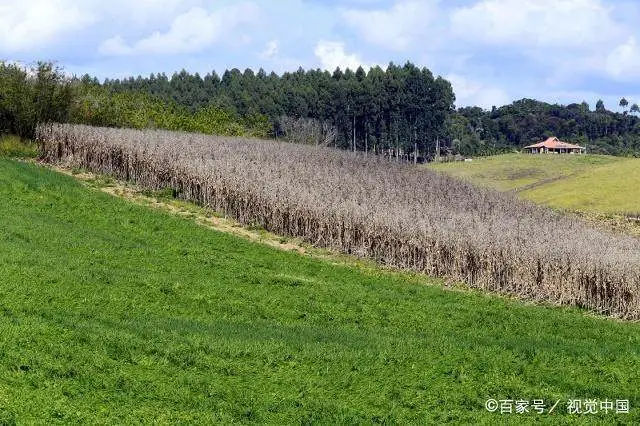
[191, 31]
[332, 55]
[138, 13]
[470, 92]
[489, 48]
[270, 50]
[623, 63]
[395, 28]
[144, 11]
[536, 23]
[33, 24]
[115, 46]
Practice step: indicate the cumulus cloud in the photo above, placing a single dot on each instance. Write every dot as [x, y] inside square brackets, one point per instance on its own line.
[333, 54]
[536, 47]
[536, 23]
[395, 28]
[115, 46]
[145, 11]
[623, 63]
[33, 24]
[469, 92]
[270, 50]
[189, 32]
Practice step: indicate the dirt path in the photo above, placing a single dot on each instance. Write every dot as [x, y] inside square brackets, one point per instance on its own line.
[213, 220]
[543, 182]
[202, 216]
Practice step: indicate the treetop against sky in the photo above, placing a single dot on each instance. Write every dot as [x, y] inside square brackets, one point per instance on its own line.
[493, 51]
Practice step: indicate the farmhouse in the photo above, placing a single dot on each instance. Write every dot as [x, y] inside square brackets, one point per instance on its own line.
[554, 145]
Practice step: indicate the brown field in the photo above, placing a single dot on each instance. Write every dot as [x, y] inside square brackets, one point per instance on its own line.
[399, 215]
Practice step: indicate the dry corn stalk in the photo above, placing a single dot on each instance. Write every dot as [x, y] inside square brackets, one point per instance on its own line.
[397, 214]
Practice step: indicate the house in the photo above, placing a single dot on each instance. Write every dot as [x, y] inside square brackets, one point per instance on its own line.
[556, 146]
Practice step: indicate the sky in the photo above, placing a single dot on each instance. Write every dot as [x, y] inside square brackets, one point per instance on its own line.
[492, 51]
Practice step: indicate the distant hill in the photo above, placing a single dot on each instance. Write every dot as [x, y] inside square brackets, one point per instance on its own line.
[474, 131]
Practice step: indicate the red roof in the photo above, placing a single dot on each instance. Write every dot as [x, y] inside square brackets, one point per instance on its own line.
[554, 143]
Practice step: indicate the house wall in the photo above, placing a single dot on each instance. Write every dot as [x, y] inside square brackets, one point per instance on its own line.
[553, 150]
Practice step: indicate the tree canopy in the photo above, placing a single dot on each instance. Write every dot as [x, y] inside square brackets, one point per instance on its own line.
[396, 111]
[510, 127]
[401, 111]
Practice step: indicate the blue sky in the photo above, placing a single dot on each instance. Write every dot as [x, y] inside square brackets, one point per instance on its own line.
[493, 51]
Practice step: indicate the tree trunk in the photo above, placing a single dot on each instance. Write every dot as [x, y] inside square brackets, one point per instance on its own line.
[415, 146]
[354, 133]
[397, 149]
[366, 143]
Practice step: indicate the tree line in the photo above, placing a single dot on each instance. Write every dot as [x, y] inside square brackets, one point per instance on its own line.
[474, 131]
[43, 93]
[403, 112]
[31, 96]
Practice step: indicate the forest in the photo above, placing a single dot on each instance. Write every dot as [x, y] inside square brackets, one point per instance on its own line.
[474, 131]
[403, 112]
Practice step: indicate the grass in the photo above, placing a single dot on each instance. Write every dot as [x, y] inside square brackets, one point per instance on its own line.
[584, 183]
[609, 188]
[13, 146]
[111, 312]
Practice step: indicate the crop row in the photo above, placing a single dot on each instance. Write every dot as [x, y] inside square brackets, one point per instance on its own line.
[399, 215]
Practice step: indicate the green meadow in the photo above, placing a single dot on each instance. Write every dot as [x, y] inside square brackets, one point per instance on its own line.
[116, 313]
[584, 183]
[13, 146]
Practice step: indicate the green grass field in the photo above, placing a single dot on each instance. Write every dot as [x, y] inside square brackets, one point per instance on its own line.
[585, 183]
[12, 146]
[116, 313]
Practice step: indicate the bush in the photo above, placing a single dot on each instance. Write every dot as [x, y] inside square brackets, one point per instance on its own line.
[29, 96]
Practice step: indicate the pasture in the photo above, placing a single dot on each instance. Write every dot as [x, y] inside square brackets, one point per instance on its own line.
[116, 313]
[13, 146]
[585, 183]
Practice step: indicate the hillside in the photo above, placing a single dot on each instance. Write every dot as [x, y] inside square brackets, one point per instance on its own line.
[475, 131]
[117, 313]
[587, 183]
[370, 207]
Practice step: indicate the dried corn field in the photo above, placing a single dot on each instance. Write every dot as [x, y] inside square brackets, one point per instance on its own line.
[396, 214]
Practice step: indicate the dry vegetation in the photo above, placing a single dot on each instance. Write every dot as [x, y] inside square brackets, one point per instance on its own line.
[396, 214]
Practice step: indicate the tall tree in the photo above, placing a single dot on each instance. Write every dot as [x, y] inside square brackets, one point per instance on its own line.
[624, 103]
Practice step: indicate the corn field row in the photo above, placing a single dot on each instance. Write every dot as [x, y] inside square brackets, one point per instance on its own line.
[399, 215]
